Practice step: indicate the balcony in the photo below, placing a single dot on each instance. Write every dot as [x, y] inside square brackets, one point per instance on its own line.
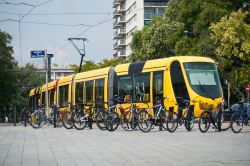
[120, 54]
[121, 32]
[117, 2]
[119, 44]
[120, 21]
[119, 10]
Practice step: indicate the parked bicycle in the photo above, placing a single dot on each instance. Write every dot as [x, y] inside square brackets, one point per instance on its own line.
[240, 118]
[210, 115]
[39, 117]
[68, 116]
[184, 115]
[113, 120]
[146, 120]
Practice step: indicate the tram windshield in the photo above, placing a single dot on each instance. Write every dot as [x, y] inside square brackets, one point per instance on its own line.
[203, 78]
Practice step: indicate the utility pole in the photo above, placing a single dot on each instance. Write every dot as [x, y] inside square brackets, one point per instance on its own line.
[80, 51]
[46, 70]
[49, 66]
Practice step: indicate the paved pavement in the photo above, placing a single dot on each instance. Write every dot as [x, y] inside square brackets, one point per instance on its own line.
[49, 146]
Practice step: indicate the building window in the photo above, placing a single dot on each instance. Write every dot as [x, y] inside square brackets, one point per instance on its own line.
[63, 95]
[79, 92]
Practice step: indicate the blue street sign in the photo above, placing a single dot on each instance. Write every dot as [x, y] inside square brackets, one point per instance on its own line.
[37, 53]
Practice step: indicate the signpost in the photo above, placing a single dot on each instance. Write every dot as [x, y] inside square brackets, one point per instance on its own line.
[42, 54]
[37, 53]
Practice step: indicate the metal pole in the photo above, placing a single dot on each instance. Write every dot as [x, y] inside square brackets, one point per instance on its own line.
[46, 94]
[14, 115]
[49, 66]
[80, 67]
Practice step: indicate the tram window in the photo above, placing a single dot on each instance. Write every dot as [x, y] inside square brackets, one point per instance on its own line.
[125, 87]
[79, 92]
[99, 89]
[178, 82]
[51, 96]
[89, 85]
[158, 86]
[43, 97]
[63, 95]
[142, 86]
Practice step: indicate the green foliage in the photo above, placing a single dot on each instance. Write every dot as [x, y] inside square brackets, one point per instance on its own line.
[8, 76]
[183, 30]
[15, 81]
[231, 36]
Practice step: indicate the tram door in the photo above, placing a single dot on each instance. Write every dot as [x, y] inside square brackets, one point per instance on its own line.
[157, 88]
[178, 82]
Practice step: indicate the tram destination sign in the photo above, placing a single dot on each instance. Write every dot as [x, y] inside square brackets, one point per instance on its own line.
[37, 53]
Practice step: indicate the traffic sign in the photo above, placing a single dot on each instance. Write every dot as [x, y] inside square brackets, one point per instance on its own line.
[248, 88]
[37, 53]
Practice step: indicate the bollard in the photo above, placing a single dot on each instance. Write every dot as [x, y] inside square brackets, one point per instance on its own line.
[55, 111]
[14, 116]
[219, 119]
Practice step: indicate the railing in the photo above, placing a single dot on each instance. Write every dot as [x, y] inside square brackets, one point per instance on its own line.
[155, 3]
[149, 16]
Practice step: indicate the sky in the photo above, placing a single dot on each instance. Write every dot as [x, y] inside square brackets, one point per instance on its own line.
[49, 25]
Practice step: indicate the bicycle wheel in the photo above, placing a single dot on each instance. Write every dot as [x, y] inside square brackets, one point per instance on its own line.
[112, 121]
[172, 122]
[204, 121]
[145, 122]
[80, 120]
[100, 119]
[189, 120]
[237, 122]
[225, 121]
[128, 121]
[163, 120]
[37, 119]
[67, 119]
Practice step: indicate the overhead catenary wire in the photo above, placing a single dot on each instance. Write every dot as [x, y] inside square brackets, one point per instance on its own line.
[45, 23]
[58, 13]
[67, 43]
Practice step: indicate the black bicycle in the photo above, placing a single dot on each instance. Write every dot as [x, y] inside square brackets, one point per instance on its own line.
[146, 120]
[184, 115]
[240, 118]
[211, 115]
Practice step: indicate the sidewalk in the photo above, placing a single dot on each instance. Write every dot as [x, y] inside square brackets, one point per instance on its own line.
[49, 146]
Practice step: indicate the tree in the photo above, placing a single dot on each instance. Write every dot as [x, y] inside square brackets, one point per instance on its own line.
[231, 36]
[8, 76]
[182, 30]
[27, 79]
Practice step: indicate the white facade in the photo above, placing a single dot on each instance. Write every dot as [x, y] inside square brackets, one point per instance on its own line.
[129, 16]
[57, 71]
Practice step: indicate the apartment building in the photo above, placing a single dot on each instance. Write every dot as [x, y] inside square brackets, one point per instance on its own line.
[56, 71]
[129, 16]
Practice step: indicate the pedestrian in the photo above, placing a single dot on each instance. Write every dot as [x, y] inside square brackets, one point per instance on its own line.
[6, 120]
